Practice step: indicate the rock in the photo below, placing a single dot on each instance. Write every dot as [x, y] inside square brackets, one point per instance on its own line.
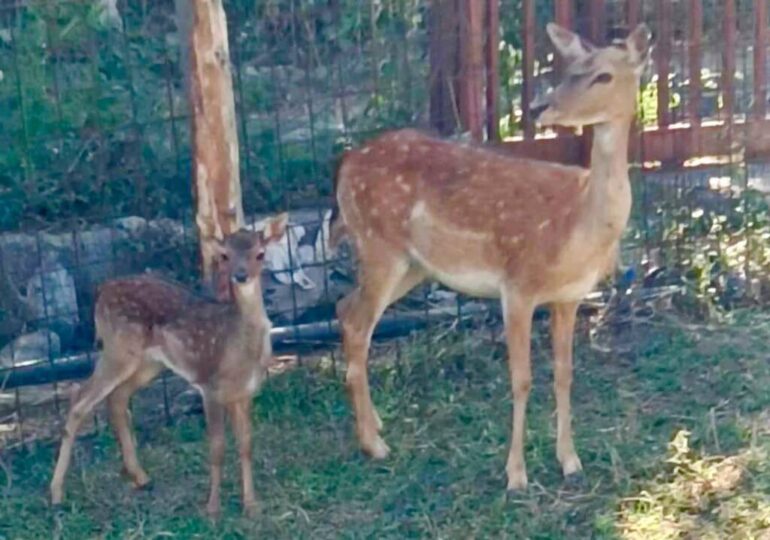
[52, 299]
[36, 346]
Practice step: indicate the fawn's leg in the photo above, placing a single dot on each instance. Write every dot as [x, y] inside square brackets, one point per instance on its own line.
[382, 280]
[518, 326]
[120, 418]
[215, 427]
[562, 334]
[240, 418]
[108, 374]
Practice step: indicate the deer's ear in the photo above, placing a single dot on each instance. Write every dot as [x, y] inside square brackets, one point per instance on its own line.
[639, 44]
[569, 45]
[275, 227]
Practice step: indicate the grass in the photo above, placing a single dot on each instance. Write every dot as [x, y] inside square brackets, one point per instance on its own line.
[674, 440]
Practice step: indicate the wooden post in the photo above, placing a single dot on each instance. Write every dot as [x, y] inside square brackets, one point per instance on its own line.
[217, 186]
[443, 53]
[528, 61]
[760, 58]
[471, 66]
[493, 69]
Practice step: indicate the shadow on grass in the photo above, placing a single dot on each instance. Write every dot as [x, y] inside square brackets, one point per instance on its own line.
[649, 430]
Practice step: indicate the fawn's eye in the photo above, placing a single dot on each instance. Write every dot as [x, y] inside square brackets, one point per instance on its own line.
[224, 257]
[261, 256]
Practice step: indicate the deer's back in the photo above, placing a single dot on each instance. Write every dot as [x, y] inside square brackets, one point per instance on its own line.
[141, 301]
[468, 214]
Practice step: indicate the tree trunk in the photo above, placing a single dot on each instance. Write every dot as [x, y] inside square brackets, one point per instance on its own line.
[217, 187]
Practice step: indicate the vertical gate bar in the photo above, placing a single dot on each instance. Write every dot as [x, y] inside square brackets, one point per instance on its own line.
[664, 13]
[597, 17]
[493, 69]
[528, 65]
[760, 58]
[728, 58]
[695, 37]
[633, 13]
[471, 65]
[563, 17]
[443, 41]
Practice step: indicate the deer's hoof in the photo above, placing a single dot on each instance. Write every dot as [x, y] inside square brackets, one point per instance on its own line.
[570, 465]
[213, 511]
[575, 481]
[517, 482]
[251, 509]
[377, 449]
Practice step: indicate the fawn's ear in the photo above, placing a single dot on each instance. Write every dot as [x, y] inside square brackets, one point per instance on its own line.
[218, 248]
[275, 227]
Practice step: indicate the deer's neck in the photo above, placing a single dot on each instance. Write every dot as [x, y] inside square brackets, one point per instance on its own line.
[610, 199]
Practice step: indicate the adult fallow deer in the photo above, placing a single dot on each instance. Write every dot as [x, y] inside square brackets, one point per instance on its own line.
[491, 225]
[223, 349]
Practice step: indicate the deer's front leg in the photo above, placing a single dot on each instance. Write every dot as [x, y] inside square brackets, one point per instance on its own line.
[241, 422]
[518, 322]
[563, 334]
[215, 427]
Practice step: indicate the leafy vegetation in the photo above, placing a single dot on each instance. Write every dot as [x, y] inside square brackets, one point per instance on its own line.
[673, 436]
[97, 124]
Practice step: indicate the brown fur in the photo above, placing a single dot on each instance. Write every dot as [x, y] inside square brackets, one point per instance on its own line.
[487, 224]
[223, 349]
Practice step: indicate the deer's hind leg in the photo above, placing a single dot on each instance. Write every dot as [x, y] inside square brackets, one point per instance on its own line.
[108, 374]
[383, 278]
[120, 418]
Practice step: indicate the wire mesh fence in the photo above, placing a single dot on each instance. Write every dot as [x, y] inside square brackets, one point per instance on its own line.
[95, 161]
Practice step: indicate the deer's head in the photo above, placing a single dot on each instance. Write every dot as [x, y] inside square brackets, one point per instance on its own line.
[600, 84]
[241, 258]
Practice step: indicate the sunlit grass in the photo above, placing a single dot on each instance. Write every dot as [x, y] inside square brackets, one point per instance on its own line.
[701, 497]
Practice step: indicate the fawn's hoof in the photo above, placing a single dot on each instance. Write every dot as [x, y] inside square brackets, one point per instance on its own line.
[144, 485]
[376, 449]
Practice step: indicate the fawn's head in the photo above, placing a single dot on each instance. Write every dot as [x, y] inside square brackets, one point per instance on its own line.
[600, 84]
[241, 257]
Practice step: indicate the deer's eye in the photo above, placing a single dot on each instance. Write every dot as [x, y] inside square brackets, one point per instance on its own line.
[224, 257]
[261, 256]
[602, 78]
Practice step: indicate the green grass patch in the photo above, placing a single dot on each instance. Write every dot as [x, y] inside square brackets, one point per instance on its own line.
[674, 442]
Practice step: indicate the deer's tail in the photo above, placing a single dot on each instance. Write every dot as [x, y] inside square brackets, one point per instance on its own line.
[337, 229]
